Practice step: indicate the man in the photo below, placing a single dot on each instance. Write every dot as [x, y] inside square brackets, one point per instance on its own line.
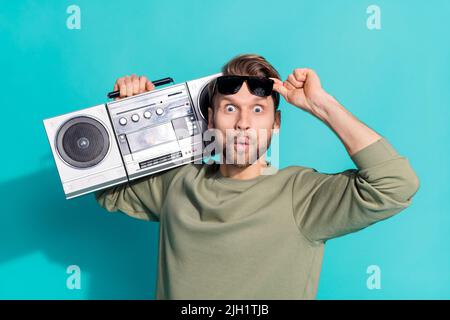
[227, 231]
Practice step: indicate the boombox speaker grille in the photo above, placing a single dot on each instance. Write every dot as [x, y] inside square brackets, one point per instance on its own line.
[82, 142]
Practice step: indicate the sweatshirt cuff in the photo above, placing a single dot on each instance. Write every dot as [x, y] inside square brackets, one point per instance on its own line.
[375, 153]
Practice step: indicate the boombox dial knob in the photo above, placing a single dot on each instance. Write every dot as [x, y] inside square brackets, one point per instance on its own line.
[135, 118]
[159, 111]
[123, 121]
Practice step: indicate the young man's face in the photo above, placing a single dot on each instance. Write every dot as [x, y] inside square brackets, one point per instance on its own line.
[245, 123]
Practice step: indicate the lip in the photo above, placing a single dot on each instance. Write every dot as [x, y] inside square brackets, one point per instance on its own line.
[242, 140]
[241, 146]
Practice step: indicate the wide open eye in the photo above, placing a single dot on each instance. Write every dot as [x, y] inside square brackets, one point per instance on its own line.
[257, 109]
[230, 108]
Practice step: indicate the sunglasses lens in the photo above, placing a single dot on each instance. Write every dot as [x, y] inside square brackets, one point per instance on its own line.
[229, 84]
[260, 87]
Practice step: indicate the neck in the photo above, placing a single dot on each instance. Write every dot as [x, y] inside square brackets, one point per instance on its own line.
[243, 173]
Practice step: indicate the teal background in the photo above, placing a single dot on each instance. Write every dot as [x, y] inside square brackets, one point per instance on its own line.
[395, 79]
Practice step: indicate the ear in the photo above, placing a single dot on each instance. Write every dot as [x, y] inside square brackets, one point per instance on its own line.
[210, 118]
[277, 123]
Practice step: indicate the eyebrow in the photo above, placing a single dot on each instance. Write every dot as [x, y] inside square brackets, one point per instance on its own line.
[255, 98]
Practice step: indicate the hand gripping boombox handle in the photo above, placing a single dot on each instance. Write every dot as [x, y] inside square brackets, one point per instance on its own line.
[156, 83]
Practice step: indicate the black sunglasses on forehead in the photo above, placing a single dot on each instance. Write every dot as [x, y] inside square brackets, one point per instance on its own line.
[259, 86]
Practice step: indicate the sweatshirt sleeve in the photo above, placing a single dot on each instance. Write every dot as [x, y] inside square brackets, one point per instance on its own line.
[326, 206]
[141, 198]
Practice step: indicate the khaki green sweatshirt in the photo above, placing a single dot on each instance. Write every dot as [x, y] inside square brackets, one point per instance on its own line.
[263, 238]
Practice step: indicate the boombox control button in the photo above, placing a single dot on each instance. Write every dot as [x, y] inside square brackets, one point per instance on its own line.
[147, 114]
[159, 111]
[123, 121]
[135, 118]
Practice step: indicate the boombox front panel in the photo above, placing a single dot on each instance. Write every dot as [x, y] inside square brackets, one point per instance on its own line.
[106, 145]
[156, 130]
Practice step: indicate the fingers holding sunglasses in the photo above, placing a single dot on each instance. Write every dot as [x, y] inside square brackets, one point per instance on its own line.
[279, 87]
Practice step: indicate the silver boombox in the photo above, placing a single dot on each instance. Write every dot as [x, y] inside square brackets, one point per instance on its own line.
[122, 140]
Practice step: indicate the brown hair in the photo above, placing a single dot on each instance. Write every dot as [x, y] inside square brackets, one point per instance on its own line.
[245, 65]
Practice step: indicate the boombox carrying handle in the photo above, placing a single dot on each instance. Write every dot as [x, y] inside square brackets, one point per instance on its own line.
[156, 83]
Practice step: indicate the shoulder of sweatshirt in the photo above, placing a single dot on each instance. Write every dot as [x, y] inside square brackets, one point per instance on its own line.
[179, 171]
[188, 171]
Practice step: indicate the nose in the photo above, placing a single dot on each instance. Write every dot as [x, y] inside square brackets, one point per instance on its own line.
[243, 122]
